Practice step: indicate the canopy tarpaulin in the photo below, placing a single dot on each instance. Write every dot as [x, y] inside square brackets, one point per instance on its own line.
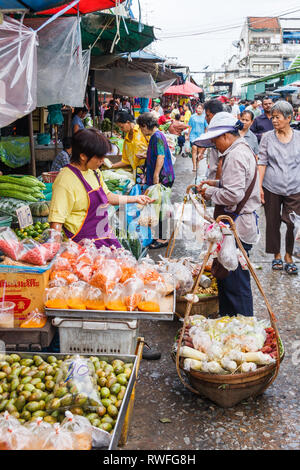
[85, 6]
[32, 5]
[100, 29]
[18, 59]
[129, 83]
[187, 89]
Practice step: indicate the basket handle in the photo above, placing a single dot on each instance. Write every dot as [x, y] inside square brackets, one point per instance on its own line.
[273, 319]
[186, 316]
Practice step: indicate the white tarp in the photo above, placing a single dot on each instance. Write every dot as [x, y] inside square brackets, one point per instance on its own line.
[128, 82]
[61, 74]
[18, 68]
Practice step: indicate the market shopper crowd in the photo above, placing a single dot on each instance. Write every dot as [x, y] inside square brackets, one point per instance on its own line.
[253, 160]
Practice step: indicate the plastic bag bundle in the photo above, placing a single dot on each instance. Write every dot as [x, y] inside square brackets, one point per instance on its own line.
[227, 255]
[296, 221]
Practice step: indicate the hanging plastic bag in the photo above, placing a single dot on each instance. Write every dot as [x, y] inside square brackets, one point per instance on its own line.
[227, 256]
[167, 210]
[150, 212]
[18, 71]
[296, 221]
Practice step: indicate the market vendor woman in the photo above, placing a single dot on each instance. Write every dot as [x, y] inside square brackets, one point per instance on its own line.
[135, 145]
[80, 197]
[236, 194]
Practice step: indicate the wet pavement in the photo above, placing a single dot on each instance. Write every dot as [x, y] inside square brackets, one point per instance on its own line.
[271, 421]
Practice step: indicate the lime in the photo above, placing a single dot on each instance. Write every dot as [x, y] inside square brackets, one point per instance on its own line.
[39, 230]
[25, 234]
[45, 225]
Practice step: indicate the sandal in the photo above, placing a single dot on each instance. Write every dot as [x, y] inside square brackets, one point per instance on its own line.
[277, 265]
[291, 268]
[156, 245]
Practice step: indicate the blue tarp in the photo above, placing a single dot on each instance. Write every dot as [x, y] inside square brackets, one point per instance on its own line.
[34, 5]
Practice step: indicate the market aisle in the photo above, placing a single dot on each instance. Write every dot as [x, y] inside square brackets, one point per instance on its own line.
[269, 422]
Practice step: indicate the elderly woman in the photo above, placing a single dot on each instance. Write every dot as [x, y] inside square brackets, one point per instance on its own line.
[236, 194]
[279, 170]
[159, 166]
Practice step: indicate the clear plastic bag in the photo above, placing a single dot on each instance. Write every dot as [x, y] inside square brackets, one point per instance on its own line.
[182, 275]
[35, 319]
[33, 252]
[76, 386]
[57, 439]
[37, 429]
[95, 299]
[150, 213]
[296, 221]
[227, 255]
[9, 243]
[81, 430]
[132, 293]
[107, 276]
[167, 211]
[51, 240]
[150, 301]
[77, 295]
[18, 71]
[148, 272]
[56, 297]
[13, 436]
[114, 300]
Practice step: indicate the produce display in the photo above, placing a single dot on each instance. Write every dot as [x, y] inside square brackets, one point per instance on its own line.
[83, 277]
[34, 387]
[118, 185]
[30, 250]
[33, 231]
[25, 188]
[119, 181]
[227, 345]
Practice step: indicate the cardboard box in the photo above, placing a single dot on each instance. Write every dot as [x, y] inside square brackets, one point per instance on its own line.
[26, 290]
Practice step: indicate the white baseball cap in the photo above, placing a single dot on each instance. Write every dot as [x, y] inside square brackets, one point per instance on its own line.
[220, 124]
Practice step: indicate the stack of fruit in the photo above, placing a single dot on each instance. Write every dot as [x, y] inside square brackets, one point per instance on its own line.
[33, 231]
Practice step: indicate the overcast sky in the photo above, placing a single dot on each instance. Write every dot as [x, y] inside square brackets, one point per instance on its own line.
[182, 16]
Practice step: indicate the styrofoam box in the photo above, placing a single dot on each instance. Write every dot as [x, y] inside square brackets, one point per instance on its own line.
[97, 337]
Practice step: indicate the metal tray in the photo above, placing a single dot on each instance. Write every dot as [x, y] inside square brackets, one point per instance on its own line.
[115, 437]
[168, 303]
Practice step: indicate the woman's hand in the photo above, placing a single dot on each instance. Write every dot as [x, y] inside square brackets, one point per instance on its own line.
[262, 195]
[207, 182]
[143, 200]
[155, 179]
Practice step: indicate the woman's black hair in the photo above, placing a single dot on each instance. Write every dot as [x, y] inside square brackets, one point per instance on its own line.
[91, 142]
[177, 117]
[84, 109]
[123, 117]
[148, 120]
[248, 111]
[67, 142]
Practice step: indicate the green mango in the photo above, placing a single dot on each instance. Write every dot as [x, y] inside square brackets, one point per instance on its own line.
[26, 415]
[20, 402]
[32, 406]
[112, 411]
[26, 362]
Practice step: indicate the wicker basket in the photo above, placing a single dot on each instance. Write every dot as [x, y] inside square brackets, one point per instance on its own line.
[230, 389]
[208, 307]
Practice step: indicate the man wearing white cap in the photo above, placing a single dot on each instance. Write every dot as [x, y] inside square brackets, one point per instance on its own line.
[236, 194]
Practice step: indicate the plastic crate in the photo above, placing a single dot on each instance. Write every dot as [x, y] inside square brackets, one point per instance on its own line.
[97, 337]
[27, 339]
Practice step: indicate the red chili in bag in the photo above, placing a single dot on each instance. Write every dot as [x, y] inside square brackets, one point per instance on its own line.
[52, 249]
[37, 256]
[11, 248]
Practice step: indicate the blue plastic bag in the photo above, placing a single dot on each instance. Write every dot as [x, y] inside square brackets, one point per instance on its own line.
[132, 217]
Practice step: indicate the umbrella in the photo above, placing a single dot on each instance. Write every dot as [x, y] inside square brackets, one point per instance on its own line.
[85, 6]
[296, 83]
[287, 89]
[187, 89]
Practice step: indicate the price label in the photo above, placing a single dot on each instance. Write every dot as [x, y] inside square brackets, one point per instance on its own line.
[24, 216]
